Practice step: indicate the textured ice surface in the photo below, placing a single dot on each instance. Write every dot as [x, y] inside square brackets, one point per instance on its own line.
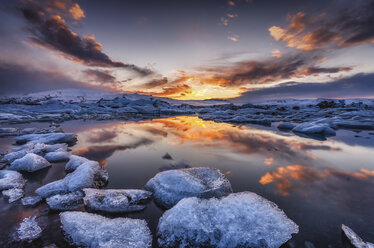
[30, 162]
[169, 187]
[10, 157]
[28, 230]
[31, 200]
[239, 220]
[116, 200]
[13, 194]
[11, 179]
[48, 138]
[355, 240]
[315, 128]
[68, 201]
[58, 156]
[94, 231]
[87, 175]
[74, 162]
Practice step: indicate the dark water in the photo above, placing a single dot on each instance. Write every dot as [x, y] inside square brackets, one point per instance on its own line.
[319, 184]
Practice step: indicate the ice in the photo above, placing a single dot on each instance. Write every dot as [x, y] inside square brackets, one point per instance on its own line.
[87, 175]
[92, 230]
[13, 194]
[354, 239]
[48, 138]
[30, 162]
[116, 200]
[10, 157]
[169, 187]
[315, 128]
[8, 131]
[286, 126]
[28, 230]
[11, 179]
[74, 162]
[68, 201]
[239, 220]
[58, 156]
[31, 200]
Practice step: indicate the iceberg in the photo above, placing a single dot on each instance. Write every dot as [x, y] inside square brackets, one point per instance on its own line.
[30, 163]
[354, 239]
[87, 175]
[169, 187]
[92, 230]
[239, 220]
[116, 200]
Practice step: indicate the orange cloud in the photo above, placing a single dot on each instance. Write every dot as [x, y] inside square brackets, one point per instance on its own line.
[276, 53]
[76, 12]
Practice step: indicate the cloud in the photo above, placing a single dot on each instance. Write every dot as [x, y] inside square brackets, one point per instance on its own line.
[180, 90]
[76, 12]
[155, 83]
[101, 76]
[276, 53]
[360, 85]
[51, 31]
[100, 136]
[334, 28]
[15, 77]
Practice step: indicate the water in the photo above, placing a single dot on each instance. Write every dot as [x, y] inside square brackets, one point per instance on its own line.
[319, 184]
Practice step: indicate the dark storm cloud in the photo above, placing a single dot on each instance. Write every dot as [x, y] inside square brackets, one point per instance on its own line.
[270, 70]
[101, 76]
[360, 85]
[340, 28]
[14, 77]
[52, 32]
[155, 83]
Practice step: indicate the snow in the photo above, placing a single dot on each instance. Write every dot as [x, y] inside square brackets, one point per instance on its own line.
[58, 156]
[28, 230]
[11, 179]
[13, 194]
[74, 162]
[87, 175]
[170, 186]
[116, 200]
[355, 240]
[30, 162]
[92, 230]
[48, 138]
[31, 200]
[68, 201]
[239, 220]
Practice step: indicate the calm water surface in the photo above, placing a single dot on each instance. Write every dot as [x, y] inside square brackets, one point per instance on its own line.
[319, 184]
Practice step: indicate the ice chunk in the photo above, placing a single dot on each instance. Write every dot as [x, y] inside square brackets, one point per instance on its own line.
[48, 138]
[354, 239]
[87, 175]
[74, 162]
[13, 194]
[92, 230]
[31, 200]
[28, 230]
[58, 156]
[8, 131]
[30, 162]
[239, 220]
[11, 179]
[169, 187]
[68, 201]
[116, 200]
[286, 126]
[315, 128]
[10, 157]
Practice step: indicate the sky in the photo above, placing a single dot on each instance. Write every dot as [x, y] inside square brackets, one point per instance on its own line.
[245, 49]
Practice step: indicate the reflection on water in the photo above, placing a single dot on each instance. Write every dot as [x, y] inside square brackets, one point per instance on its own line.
[319, 184]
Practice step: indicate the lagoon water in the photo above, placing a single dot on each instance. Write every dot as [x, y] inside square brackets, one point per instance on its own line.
[320, 184]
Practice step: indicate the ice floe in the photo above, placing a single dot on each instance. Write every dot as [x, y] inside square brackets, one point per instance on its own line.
[354, 239]
[58, 156]
[31, 200]
[116, 200]
[48, 138]
[30, 163]
[74, 162]
[92, 230]
[239, 220]
[87, 175]
[11, 179]
[68, 201]
[170, 186]
[28, 230]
